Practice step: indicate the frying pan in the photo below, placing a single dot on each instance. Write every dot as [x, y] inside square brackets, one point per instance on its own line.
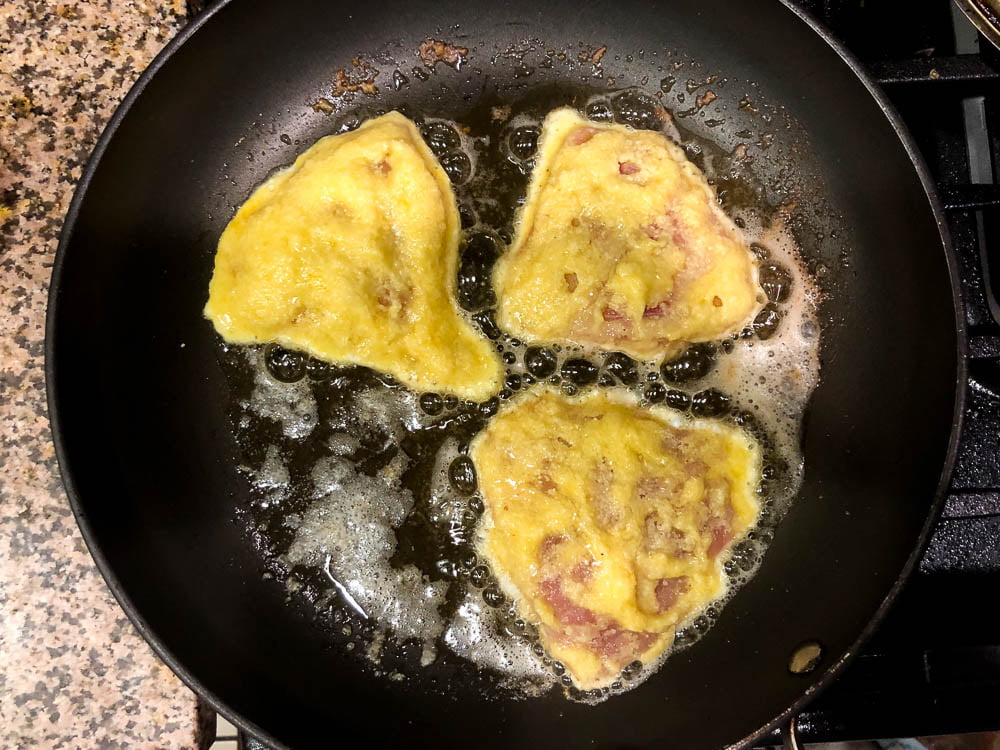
[139, 401]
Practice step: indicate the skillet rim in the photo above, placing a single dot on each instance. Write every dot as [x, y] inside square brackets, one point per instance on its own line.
[961, 375]
[817, 685]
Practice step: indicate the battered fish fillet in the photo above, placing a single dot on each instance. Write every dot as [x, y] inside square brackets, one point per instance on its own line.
[351, 255]
[608, 524]
[622, 246]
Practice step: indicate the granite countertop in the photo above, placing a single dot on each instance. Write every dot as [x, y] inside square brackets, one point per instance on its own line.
[73, 671]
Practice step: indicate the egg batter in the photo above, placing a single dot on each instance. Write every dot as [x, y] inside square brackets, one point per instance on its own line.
[351, 255]
[621, 245]
[608, 524]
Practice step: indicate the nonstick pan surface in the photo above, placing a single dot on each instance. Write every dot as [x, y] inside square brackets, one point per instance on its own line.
[139, 401]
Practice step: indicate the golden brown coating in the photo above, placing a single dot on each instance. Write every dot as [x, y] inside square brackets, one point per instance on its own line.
[622, 246]
[608, 524]
[351, 255]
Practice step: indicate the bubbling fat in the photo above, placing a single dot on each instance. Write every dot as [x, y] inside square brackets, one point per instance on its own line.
[348, 533]
[773, 378]
[347, 529]
[473, 633]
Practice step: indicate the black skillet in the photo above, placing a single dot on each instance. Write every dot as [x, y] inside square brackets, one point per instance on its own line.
[139, 401]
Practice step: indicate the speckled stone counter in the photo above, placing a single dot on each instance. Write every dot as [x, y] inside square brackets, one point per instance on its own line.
[73, 671]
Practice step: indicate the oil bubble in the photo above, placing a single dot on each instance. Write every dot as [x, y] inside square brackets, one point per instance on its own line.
[441, 137]
[635, 108]
[580, 372]
[284, 364]
[462, 475]
[622, 367]
[540, 362]
[431, 403]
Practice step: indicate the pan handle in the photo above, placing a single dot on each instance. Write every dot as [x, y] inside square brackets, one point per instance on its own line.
[790, 735]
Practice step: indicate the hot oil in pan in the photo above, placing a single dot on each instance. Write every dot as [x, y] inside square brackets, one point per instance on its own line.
[364, 501]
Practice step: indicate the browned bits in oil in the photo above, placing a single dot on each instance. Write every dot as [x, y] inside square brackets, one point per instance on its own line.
[705, 99]
[433, 51]
[323, 105]
[593, 55]
[500, 113]
[362, 79]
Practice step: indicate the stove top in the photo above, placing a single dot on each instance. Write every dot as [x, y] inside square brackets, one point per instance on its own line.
[933, 667]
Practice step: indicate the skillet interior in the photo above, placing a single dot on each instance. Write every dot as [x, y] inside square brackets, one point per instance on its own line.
[139, 402]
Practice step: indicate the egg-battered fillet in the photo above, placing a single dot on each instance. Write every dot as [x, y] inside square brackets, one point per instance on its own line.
[350, 255]
[609, 524]
[622, 246]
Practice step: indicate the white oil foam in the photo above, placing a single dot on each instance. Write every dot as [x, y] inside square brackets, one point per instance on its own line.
[475, 634]
[773, 378]
[291, 405]
[348, 533]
